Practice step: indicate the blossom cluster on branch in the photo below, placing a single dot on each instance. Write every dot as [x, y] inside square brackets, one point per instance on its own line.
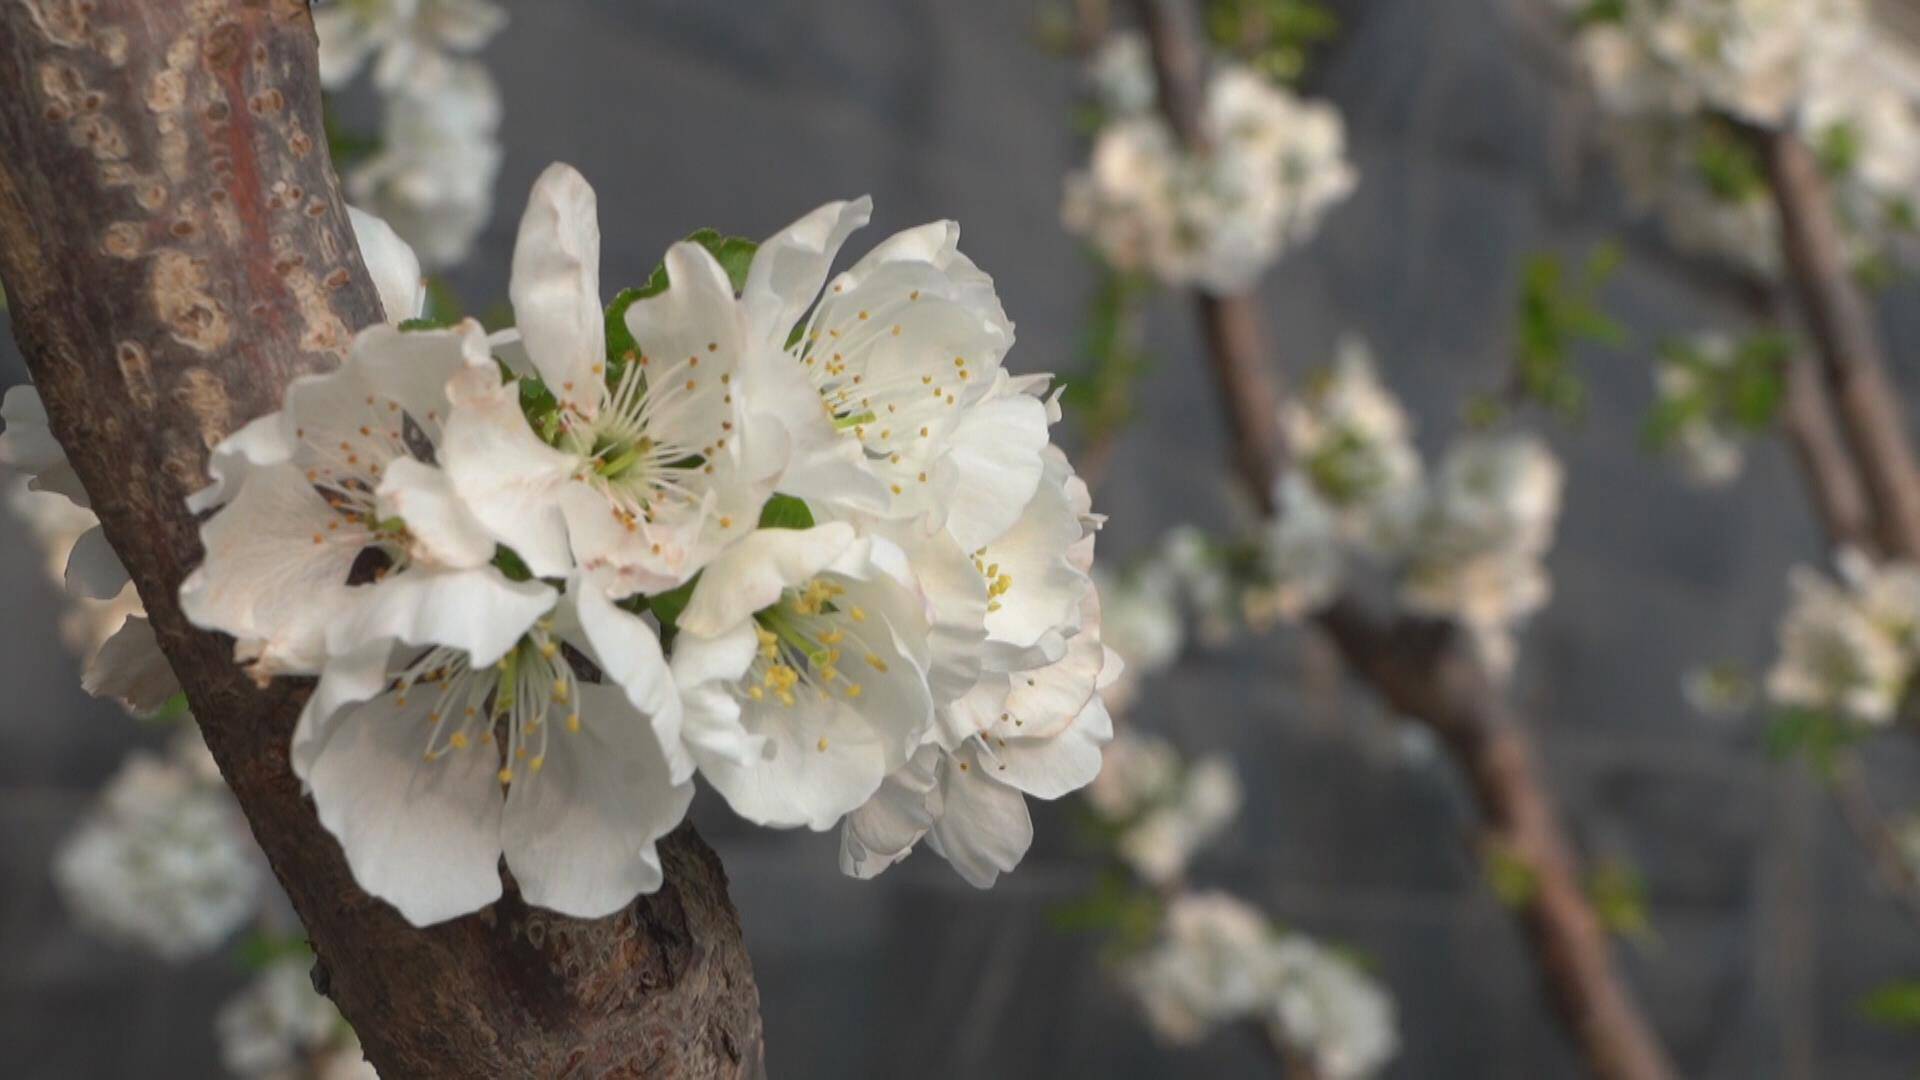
[1849, 646]
[1215, 219]
[805, 538]
[1680, 81]
[432, 169]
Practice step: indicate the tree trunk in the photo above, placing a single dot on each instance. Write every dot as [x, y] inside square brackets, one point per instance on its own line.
[175, 250]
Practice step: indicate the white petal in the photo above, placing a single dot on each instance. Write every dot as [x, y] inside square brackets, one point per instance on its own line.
[511, 481]
[478, 611]
[957, 604]
[984, 829]
[275, 572]
[580, 832]
[437, 521]
[884, 830]
[556, 286]
[628, 651]
[394, 267]
[1048, 768]
[422, 835]
[791, 266]
[992, 467]
[1044, 701]
[130, 669]
[705, 671]
[93, 570]
[262, 441]
[348, 679]
[821, 760]
[751, 574]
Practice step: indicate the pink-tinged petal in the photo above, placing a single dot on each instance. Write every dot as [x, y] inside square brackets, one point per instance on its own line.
[556, 286]
[580, 832]
[1050, 767]
[885, 828]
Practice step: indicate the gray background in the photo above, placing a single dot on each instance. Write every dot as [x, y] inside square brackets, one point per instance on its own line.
[742, 117]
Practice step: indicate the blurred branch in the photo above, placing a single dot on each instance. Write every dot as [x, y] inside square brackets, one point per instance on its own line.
[1863, 397]
[176, 249]
[1424, 669]
[1876, 839]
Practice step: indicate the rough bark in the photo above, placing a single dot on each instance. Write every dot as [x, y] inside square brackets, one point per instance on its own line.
[174, 248]
[1864, 398]
[1426, 670]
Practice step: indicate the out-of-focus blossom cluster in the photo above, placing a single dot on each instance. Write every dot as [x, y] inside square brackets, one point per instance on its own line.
[1713, 393]
[163, 860]
[1217, 961]
[1849, 645]
[438, 155]
[280, 1028]
[1162, 809]
[1466, 543]
[1681, 80]
[1272, 165]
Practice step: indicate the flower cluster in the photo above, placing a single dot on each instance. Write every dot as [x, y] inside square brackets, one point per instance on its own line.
[1218, 961]
[439, 153]
[1273, 165]
[804, 537]
[1465, 544]
[1163, 810]
[1671, 74]
[163, 860]
[280, 1028]
[1849, 647]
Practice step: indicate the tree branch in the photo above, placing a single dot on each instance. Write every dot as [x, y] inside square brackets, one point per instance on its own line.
[1842, 326]
[175, 250]
[1425, 669]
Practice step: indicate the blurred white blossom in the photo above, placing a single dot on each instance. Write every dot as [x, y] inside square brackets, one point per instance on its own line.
[1848, 645]
[1273, 166]
[1717, 690]
[432, 178]
[280, 1028]
[1165, 810]
[163, 860]
[1121, 75]
[1476, 555]
[1218, 961]
[411, 41]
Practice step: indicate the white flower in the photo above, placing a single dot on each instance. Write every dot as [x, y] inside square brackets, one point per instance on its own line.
[163, 860]
[439, 155]
[1214, 964]
[334, 504]
[1717, 690]
[398, 746]
[1355, 450]
[411, 37]
[280, 1028]
[647, 471]
[802, 656]
[1273, 167]
[1305, 553]
[1848, 646]
[1331, 1011]
[1167, 810]
[1031, 723]
[1693, 379]
[1478, 545]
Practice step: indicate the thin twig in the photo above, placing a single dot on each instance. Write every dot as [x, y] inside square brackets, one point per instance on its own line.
[1869, 827]
[1424, 669]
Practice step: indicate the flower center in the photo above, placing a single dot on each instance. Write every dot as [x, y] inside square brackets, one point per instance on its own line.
[518, 696]
[803, 639]
[625, 451]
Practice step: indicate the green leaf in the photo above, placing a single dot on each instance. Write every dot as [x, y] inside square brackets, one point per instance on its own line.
[425, 322]
[668, 605]
[173, 709]
[735, 255]
[1511, 877]
[508, 562]
[1619, 896]
[1816, 733]
[1117, 905]
[786, 512]
[263, 948]
[1895, 1004]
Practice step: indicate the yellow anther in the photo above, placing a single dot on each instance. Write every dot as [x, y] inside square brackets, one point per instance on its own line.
[821, 745]
[756, 693]
[536, 763]
[459, 740]
[853, 689]
[858, 614]
[560, 690]
[506, 776]
[573, 722]
[877, 663]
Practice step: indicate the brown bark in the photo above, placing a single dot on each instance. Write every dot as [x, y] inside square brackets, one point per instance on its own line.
[1425, 669]
[1837, 315]
[174, 248]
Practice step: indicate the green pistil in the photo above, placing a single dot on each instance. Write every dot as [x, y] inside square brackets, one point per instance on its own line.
[779, 622]
[619, 464]
[855, 420]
